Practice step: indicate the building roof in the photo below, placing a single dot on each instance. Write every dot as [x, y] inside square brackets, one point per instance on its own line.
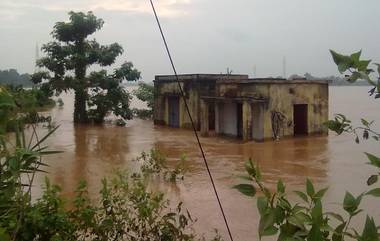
[198, 77]
[234, 79]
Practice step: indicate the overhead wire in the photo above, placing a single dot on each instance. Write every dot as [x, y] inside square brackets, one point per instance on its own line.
[192, 122]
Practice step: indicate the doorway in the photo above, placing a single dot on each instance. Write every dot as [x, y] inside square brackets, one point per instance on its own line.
[239, 118]
[211, 116]
[173, 111]
[300, 119]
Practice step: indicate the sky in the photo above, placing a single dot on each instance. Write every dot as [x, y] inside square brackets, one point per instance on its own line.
[205, 36]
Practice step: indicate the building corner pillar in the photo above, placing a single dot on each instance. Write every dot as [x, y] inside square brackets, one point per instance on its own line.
[247, 121]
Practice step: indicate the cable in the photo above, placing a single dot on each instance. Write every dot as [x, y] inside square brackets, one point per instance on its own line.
[191, 120]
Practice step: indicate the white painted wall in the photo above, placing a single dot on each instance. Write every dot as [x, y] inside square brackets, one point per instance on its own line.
[230, 119]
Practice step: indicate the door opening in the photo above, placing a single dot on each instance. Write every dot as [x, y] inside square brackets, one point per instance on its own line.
[300, 119]
[239, 112]
[173, 111]
[211, 116]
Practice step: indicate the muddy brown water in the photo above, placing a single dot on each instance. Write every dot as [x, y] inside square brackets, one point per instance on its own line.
[93, 152]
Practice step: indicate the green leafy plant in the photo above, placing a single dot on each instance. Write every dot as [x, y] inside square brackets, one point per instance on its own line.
[125, 209]
[155, 162]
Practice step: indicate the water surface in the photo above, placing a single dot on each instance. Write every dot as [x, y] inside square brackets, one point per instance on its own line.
[92, 152]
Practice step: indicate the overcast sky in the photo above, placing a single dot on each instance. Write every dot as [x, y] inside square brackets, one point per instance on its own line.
[205, 36]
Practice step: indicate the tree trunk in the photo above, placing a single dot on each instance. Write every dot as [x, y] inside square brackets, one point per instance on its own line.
[80, 112]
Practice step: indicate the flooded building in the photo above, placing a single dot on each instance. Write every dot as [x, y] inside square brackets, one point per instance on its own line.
[235, 105]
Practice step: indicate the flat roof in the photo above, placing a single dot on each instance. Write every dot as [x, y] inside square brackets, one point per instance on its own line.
[234, 79]
[274, 81]
[204, 77]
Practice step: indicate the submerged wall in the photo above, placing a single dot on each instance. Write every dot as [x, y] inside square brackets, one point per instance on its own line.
[282, 96]
[276, 96]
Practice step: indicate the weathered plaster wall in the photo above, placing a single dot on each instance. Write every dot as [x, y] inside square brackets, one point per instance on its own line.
[166, 89]
[229, 119]
[281, 98]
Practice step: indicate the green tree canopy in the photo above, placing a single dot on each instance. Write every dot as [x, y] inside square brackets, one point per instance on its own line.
[69, 57]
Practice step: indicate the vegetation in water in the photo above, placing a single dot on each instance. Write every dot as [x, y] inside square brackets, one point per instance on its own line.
[145, 93]
[23, 105]
[69, 57]
[155, 162]
[125, 209]
[307, 219]
[12, 77]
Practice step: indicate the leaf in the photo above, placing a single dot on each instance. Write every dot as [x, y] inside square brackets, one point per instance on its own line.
[369, 231]
[374, 192]
[342, 67]
[363, 65]
[350, 203]
[262, 205]
[246, 189]
[250, 168]
[355, 57]
[338, 232]
[309, 188]
[266, 222]
[320, 193]
[372, 180]
[302, 195]
[44, 138]
[365, 122]
[270, 231]
[280, 186]
[374, 160]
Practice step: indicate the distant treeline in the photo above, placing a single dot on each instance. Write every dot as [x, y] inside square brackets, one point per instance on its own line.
[333, 80]
[12, 77]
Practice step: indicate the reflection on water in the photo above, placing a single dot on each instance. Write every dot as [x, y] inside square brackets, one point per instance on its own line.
[92, 152]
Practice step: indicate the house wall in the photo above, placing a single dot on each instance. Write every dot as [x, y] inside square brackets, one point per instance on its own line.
[281, 98]
[164, 90]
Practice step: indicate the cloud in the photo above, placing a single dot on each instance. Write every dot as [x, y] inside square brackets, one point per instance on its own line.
[166, 8]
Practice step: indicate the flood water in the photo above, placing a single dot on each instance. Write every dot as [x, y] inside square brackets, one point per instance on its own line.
[92, 152]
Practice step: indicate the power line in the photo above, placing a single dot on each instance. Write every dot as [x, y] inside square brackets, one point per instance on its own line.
[191, 120]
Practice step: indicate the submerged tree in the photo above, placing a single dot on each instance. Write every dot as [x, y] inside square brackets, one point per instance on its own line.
[69, 57]
[145, 93]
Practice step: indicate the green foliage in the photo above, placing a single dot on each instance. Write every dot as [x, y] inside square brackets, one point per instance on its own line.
[357, 69]
[145, 93]
[19, 106]
[306, 220]
[67, 60]
[125, 209]
[155, 162]
[12, 77]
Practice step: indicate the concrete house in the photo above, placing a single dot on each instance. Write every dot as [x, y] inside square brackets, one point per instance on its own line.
[249, 109]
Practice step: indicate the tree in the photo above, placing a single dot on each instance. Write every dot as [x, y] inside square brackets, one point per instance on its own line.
[69, 57]
[145, 93]
[12, 77]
